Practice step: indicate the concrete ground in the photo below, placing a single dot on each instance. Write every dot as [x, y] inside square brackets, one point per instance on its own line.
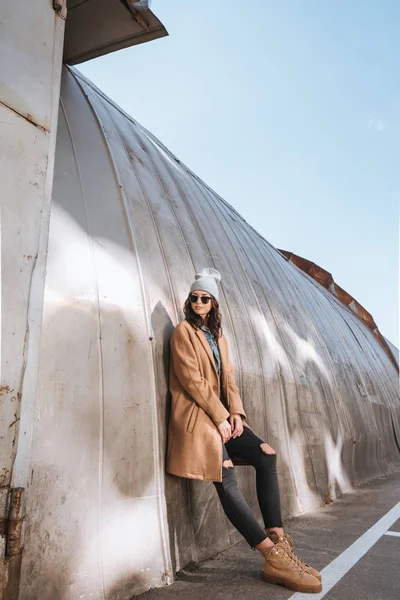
[320, 538]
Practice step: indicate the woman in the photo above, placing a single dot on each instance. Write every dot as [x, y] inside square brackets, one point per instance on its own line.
[208, 431]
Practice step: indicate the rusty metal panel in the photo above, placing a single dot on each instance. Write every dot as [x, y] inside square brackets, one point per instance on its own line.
[130, 225]
[30, 74]
[25, 162]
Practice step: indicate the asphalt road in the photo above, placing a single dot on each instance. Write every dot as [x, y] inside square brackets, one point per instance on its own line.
[348, 540]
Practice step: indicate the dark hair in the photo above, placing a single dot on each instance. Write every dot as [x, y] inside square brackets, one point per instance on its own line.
[213, 319]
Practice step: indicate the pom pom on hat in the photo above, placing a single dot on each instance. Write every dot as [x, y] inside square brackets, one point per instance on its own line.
[206, 280]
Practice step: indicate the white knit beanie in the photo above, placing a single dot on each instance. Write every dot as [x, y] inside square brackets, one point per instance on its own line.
[206, 281]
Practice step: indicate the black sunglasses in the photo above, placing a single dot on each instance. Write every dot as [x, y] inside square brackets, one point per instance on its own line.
[204, 299]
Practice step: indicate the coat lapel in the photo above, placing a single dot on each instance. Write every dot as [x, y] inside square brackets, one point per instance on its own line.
[207, 348]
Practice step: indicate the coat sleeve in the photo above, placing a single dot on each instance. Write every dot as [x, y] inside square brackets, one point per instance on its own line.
[235, 403]
[187, 370]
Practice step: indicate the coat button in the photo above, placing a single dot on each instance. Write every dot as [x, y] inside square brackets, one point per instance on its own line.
[215, 388]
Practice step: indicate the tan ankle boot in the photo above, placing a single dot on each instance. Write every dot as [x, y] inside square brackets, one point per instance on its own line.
[286, 542]
[280, 568]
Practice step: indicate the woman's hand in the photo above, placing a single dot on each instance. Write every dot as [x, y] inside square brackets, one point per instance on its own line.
[236, 425]
[225, 431]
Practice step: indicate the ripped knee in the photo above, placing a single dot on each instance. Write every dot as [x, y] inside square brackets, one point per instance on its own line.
[227, 464]
[266, 449]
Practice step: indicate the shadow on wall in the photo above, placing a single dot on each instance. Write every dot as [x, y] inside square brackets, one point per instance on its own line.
[92, 500]
[163, 328]
[178, 495]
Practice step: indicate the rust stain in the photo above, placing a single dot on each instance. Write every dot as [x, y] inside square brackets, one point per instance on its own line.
[166, 576]
[5, 389]
[16, 419]
[329, 499]
[130, 341]
[3, 475]
[326, 280]
[139, 19]
[3, 526]
[16, 502]
[28, 117]
[14, 526]
[60, 7]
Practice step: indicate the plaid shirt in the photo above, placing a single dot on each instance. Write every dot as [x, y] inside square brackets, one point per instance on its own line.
[214, 348]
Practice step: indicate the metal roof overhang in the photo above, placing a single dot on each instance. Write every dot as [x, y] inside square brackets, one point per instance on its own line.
[96, 27]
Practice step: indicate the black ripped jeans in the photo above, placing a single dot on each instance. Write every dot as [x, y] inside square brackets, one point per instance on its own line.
[247, 447]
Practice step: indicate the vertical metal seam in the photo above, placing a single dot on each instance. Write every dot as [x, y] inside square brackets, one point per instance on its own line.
[377, 373]
[167, 554]
[278, 370]
[252, 243]
[367, 413]
[173, 212]
[337, 310]
[184, 199]
[151, 213]
[298, 298]
[160, 475]
[20, 473]
[336, 392]
[101, 365]
[224, 225]
[262, 255]
[173, 297]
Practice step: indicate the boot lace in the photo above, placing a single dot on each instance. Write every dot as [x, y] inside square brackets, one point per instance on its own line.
[287, 545]
[289, 560]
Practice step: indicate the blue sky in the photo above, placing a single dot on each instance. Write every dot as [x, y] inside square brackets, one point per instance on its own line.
[290, 110]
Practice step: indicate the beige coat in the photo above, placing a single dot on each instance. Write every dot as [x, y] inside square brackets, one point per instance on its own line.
[194, 442]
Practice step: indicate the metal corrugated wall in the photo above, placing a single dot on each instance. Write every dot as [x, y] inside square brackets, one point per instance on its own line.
[130, 226]
[30, 75]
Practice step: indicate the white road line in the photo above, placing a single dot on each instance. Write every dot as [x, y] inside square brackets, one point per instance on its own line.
[345, 561]
[397, 533]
